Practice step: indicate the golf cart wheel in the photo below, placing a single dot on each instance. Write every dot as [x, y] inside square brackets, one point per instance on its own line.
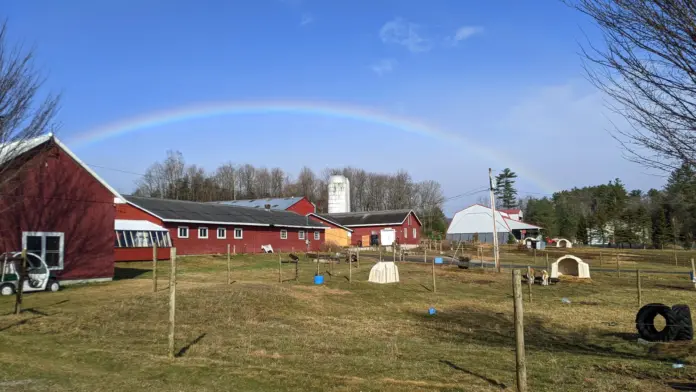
[53, 286]
[7, 289]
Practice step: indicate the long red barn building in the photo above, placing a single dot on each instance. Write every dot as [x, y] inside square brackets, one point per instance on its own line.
[196, 228]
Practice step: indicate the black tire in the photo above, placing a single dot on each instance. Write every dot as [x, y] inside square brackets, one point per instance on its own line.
[686, 328]
[645, 323]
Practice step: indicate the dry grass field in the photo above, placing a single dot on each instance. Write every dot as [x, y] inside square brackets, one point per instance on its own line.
[259, 335]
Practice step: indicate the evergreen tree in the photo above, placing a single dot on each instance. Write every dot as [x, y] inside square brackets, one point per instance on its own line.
[659, 228]
[505, 190]
[581, 233]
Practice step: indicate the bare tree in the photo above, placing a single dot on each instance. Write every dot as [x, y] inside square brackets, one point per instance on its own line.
[277, 182]
[307, 182]
[23, 115]
[226, 180]
[647, 66]
[247, 176]
[262, 183]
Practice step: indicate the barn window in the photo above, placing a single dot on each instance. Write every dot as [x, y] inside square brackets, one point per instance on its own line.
[203, 232]
[317, 236]
[48, 245]
[414, 232]
[405, 232]
[142, 239]
[221, 233]
[283, 234]
[238, 233]
[300, 234]
[183, 231]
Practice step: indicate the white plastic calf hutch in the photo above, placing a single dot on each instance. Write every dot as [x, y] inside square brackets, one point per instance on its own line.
[570, 266]
[384, 272]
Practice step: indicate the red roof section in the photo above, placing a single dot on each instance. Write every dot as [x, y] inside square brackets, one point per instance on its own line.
[511, 211]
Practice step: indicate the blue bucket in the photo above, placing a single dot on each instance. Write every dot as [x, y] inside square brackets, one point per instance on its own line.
[438, 260]
[432, 311]
[319, 279]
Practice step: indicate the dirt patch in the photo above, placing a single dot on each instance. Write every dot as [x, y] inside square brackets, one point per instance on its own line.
[264, 354]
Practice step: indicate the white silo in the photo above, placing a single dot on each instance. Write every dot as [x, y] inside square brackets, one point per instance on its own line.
[339, 195]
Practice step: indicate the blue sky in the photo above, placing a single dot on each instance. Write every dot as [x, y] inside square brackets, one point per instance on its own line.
[503, 76]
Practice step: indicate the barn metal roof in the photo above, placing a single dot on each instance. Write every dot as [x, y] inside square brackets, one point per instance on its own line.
[207, 213]
[370, 218]
[278, 203]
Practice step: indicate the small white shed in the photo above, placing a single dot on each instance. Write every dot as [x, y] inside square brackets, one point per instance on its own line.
[569, 265]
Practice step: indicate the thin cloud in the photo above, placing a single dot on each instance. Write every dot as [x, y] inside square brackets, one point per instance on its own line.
[306, 19]
[465, 32]
[400, 31]
[383, 66]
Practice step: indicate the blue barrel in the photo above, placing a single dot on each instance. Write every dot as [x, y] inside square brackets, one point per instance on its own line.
[438, 260]
[319, 279]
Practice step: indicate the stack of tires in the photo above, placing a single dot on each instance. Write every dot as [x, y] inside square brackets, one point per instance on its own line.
[678, 325]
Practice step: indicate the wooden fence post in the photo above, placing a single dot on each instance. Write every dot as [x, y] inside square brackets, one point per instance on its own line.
[234, 250]
[548, 266]
[154, 267]
[350, 269]
[640, 294]
[434, 286]
[425, 255]
[520, 361]
[535, 257]
[20, 282]
[693, 271]
[357, 258]
[394, 251]
[172, 301]
[530, 282]
[600, 259]
[297, 269]
[618, 265]
[229, 269]
[280, 268]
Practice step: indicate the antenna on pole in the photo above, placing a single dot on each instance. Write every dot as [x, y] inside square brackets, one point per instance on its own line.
[496, 257]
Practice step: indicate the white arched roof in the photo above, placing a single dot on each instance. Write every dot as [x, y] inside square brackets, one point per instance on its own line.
[477, 219]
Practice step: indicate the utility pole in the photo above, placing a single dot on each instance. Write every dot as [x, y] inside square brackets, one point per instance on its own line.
[495, 230]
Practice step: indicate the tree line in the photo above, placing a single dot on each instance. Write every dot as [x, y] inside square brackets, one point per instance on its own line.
[610, 214]
[173, 178]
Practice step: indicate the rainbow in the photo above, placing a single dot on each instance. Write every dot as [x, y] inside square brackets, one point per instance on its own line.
[335, 110]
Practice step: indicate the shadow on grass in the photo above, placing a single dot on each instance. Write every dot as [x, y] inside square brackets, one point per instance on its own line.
[474, 326]
[682, 386]
[121, 273]
[188, 346]
[469, 372]
[18, 323]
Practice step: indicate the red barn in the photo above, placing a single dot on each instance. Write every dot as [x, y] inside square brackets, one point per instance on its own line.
[300, 205]
[207, 228]
[405, 223]
[58, 208]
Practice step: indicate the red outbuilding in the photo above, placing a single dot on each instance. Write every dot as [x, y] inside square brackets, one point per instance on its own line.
[300, 205]
[405, 223]
[55, 206]
[196, 228]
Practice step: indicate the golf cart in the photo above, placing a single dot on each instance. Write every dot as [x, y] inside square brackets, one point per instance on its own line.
[38, 277]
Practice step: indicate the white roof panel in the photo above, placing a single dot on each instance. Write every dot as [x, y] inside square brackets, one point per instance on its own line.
[477, 219]
[137, 225]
